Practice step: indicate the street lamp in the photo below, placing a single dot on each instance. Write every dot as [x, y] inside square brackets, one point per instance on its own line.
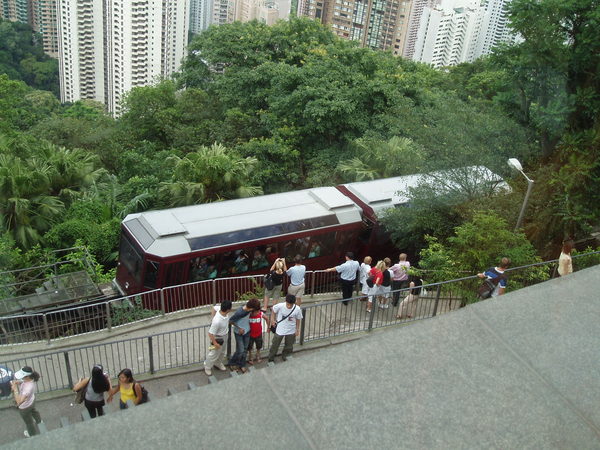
[515, 164]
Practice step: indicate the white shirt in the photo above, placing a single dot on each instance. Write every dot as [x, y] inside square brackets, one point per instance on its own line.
[348, 270]
[364, 272]
[287, 326]
[219, 325]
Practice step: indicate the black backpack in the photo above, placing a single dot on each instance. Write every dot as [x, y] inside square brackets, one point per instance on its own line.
[145, 398]
[487, 287]
[269, 282]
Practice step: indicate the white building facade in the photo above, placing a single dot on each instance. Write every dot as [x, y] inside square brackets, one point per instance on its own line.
[107, 47]
[458, 31]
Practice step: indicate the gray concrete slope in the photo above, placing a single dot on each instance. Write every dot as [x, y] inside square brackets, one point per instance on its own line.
[520, 371]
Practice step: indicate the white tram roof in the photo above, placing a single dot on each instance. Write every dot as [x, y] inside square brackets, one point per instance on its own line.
[177, 231]
[393, 192]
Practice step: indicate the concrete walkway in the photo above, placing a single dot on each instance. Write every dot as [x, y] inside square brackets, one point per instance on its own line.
[519, 371]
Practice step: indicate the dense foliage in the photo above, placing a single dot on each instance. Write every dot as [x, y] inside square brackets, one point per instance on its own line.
[22, 57]
[267, 109]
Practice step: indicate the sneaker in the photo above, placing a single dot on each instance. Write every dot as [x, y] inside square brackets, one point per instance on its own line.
[26, 433]
[368, 311]
[386, 306]
[220, 366]
[208, 372]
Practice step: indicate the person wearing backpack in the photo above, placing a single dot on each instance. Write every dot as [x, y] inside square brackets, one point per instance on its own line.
[128, 390]
[498, 279]
[95, 386]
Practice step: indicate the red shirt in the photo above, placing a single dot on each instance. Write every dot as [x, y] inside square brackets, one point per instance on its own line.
[256, 324]
[377, 276]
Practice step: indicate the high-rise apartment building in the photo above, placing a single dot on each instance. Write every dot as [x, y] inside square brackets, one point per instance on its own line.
[378, 24]
[414, 22]
[40, 15]
[265, 11]
[44, 20]
[200, 15]
[15, 10]
[107, 47]
[457, 31]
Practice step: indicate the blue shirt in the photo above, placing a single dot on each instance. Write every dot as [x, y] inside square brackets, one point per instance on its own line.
[296, 274]
[348, 270]
[241, 318]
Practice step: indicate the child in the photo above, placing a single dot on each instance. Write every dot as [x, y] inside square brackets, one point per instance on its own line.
[256, 332]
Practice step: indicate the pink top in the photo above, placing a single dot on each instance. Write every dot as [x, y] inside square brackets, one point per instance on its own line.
[400, 270]
[27, 390]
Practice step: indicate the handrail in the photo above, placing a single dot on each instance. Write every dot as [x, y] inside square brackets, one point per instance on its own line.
[254, 278]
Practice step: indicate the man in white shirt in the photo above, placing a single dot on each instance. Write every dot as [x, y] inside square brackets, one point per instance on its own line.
[347, 272]
[286, 316]
[296, 274]
[217, 333]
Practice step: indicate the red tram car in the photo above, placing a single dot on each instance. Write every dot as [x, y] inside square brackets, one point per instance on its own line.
[244, 236]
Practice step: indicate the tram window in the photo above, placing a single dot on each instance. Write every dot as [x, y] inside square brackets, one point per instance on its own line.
[271, 253]
[151, 274]
[295, 247]
[259, 258]
[321, 245]
[130, 257]
[199, 268]
[235, 262]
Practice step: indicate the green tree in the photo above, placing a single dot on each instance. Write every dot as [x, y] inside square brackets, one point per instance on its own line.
[382, 159]
[26, 207]
[478, 244]
[209, 174]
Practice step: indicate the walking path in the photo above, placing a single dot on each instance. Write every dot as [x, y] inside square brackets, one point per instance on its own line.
[512, 372]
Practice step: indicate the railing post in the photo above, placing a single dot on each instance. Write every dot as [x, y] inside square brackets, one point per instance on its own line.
[108, 317]
[214, 292]
[312, 283]
[46, 329]
[162, 301]
[151, 354]
[302, 325]
[437, 300]
[228, 351]
[68, 365]
[373, 312]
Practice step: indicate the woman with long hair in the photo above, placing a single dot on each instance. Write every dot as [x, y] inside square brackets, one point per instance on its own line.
[24, 388]
[95, 386]
[565, 262]
[126, 388]
[376, 276]
[277, 270]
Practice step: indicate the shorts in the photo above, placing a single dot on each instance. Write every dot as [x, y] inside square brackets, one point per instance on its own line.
[298, 291]
[274, 293]
[258, 341]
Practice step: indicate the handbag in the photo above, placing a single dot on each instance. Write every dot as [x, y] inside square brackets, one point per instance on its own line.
[274, 327]
[269, 283]
[80, 393]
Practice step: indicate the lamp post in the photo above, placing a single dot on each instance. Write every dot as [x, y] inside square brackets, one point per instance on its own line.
[515, 164]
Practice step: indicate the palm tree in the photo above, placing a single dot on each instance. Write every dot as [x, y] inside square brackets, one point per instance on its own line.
[72, 170]
[209, 174]
[27, 209]
[380, 159]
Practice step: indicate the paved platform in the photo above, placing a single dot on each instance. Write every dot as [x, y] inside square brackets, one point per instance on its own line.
[519, 371]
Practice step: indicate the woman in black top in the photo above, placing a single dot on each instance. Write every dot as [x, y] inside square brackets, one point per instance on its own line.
[277, 270]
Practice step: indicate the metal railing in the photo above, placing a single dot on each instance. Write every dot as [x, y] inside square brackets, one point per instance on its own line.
[186, 347]
[90, 318]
